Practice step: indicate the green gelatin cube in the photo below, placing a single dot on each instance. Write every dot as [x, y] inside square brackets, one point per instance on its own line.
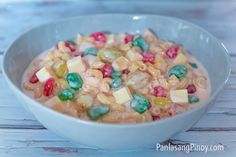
[116, 82]
[140, 42]
[96, 112]
[116, 74]
[91, 51]
[67, 94]
[139, 103]
[193, 99]
[71, 42]
[193, 65]
[179, 71]
[74, 81]
[140, 98]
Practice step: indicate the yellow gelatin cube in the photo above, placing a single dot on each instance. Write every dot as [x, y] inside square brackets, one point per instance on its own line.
[179, 96]
[60, 68]
[44, 74]
[180, 59]
[108, 54]
[161, 101]
[122, 95]
[120, 64]
[76, 65]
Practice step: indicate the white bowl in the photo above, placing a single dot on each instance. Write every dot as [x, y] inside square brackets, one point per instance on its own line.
[205, 47]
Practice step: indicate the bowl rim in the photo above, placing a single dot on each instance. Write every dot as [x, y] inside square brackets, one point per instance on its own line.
[116, 125]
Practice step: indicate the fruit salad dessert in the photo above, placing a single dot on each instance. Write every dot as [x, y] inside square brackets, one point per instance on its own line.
[117, 78]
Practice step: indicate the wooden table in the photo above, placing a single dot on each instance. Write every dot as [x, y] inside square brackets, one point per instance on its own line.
[22, 135]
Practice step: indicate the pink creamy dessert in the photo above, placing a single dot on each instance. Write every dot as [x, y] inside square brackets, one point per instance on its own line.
[117, 78]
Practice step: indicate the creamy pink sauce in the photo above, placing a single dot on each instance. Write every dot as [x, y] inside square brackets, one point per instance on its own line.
[203, 94]
[128, 115]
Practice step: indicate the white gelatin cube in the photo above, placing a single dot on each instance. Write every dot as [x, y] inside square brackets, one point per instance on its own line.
[76, 65]
[120, 64]
[179, 96]
[122, 95]
[180, 59]
[44, 74]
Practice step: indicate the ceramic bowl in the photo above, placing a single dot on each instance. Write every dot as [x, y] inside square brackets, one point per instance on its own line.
[204, 46]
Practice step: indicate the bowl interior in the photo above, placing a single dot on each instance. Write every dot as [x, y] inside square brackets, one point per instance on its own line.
[206, 48]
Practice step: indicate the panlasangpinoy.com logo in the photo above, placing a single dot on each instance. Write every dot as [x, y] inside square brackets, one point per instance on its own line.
[191, 147]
